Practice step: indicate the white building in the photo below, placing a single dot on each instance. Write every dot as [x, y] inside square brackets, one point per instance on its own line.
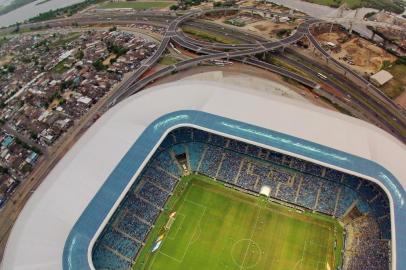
[381, 77]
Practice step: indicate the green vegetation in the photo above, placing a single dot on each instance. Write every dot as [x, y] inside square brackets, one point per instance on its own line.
[209, 36]
[397, 85]
[98, 65]
[396, 6]
[79, 54]
[226, 3]
[61, 67]
[235, 22]
[217, 227]
[270, 58]
[6, 69]
[3, 170]
[66, 39]
[185, 4]
[3, 40]
[283, 33]
[168, 60]
[386, 64]
[137, 5]
[64, 12]
[401, 60]
[117, 50]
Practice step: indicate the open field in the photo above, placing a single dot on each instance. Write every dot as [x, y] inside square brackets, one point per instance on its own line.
[389, 5]
[139, 5]
[209, 36]
[366, 57]
[168, 60]
[220, 228]
[397, 85]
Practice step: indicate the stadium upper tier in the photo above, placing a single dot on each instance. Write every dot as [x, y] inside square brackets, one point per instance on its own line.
[58, 227]
[250, 168]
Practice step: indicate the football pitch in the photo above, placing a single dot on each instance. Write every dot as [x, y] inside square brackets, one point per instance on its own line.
[216, 227]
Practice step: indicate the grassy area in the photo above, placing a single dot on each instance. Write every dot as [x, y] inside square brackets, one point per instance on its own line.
[60, 68]
[397, 85]
[280, 63]
[396, 6]
[168, 60]
[66, 39]
[3, 40]
[220, 228]
[138, 5]
[209, 36]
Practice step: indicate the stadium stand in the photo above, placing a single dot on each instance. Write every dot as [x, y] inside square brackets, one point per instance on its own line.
[248, 167]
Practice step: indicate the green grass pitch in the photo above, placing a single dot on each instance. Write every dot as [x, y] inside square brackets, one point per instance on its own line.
[217, 227]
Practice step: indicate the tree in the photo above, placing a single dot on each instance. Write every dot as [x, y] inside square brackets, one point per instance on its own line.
[17, 27]
[98, 65]
[79, 54]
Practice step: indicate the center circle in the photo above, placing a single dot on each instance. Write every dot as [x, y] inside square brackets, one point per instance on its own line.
[246, 253]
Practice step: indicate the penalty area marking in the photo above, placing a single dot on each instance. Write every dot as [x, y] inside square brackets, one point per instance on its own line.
[182, 216]
[191, 240]
[299, 263]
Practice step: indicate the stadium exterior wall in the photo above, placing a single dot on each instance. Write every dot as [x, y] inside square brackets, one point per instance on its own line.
[317, 135]
[98, 213]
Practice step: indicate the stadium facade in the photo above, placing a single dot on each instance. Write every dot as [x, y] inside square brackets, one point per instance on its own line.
[61, 223]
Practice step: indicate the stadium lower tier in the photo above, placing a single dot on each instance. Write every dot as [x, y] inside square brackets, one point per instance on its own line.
[361, 205]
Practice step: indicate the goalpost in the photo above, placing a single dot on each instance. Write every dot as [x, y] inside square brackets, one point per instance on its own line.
[160, 238]
[169, 223]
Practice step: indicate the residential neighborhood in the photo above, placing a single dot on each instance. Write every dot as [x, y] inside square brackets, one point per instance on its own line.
[48, 81]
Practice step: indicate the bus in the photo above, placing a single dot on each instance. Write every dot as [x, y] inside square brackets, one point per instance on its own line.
[322, 76]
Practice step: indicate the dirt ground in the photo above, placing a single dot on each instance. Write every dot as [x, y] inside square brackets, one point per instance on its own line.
[262, 27]
[268, 28]
[366, 57]
[5, 60]
[401, 100]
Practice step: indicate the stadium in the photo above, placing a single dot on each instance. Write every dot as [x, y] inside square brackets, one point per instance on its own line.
[201, 175]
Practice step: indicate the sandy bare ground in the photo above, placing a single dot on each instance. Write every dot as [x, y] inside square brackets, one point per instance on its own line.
[367, 57]
[401, 100]
[5, 60]
[268, 28]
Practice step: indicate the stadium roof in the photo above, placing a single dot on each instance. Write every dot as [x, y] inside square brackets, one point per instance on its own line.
[44, 236]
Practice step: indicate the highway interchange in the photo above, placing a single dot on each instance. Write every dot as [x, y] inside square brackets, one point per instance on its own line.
[375, 106]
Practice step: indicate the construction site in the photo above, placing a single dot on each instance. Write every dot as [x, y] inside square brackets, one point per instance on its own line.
[365, 57]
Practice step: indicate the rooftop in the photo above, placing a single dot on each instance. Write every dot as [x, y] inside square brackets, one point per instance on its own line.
[381, 77]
